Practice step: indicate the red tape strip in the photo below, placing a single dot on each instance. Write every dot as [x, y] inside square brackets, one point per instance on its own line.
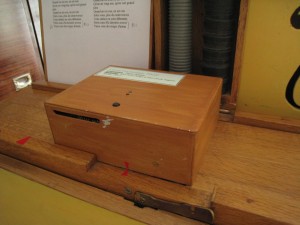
[23, 140]
[125, 173]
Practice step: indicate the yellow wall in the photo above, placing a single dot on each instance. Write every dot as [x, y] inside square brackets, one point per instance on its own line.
[271, 56]
[23, 202]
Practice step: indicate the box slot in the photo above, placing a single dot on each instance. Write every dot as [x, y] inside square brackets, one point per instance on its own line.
[75, 116]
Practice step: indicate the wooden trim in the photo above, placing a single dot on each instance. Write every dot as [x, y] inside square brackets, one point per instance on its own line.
[266, 121]
[49, 86]
[239, 51]
[151, 38]
[159, 34]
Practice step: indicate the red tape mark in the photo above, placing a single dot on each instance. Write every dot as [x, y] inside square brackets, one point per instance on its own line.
[23, 140]
[125, 173]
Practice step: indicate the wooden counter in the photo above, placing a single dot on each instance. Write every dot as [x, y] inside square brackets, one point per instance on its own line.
[249, 176]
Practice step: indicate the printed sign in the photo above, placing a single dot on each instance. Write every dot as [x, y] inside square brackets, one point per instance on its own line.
[83, 36]
[141, 76]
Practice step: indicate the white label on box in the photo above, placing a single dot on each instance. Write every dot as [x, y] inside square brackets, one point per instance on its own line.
[141, 76]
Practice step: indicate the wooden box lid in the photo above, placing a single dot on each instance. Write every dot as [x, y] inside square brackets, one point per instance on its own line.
[182, 107]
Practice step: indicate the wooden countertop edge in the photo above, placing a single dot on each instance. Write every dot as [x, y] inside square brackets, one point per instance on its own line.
[118, 204]
[92, 195]
[64, 161]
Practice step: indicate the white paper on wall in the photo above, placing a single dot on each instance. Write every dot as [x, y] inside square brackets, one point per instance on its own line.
[82, 37]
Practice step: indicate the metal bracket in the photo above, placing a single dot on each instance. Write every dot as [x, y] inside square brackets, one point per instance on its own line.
[204, 215]
[22, 81]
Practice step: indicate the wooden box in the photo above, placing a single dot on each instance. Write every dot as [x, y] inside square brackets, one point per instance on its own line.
[156, 123]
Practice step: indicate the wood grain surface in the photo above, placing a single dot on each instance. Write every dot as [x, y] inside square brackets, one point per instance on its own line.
[51, 157]
[252, 173]
[256, 173]
[160, 34]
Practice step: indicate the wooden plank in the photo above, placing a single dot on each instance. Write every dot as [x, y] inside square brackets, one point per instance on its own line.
[237, 202]
[81, 166]
[45, 155]
[267, 121]
[240, 205]
[256, 175]
[257, 157]
[93, 195]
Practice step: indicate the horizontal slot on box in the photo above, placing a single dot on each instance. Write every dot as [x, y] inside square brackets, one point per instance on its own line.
[75, 116]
